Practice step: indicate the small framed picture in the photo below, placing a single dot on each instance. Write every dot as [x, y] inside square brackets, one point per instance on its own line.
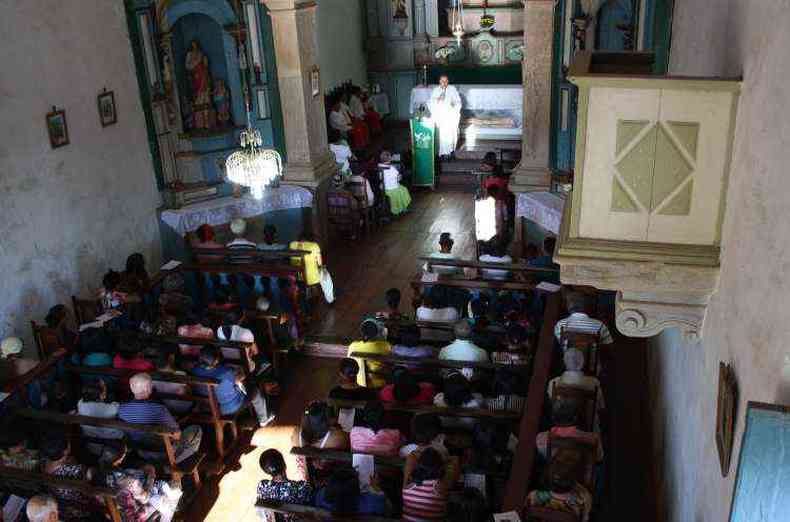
[315, 80]
[57, 128]
[107, 113]
[262, 96]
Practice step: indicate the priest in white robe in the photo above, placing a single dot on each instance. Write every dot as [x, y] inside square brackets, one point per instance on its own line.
[445, 107]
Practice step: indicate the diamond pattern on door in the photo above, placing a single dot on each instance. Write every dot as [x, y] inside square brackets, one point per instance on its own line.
[634, 170]
[671, 168]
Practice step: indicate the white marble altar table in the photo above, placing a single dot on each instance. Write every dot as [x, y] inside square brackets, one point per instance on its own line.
[477, 97]
[543, 208]
[224, 210]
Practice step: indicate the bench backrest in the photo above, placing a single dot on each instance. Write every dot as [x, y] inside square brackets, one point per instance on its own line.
[313, 513]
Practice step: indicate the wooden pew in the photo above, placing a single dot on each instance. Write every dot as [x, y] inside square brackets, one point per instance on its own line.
[209, 415]
[541, 514]
[27, 484]
[437, 363]
[167, 435]
[85, 310]
[472, 263]
[494, 416]
[46, 340]
[259, 256]
[313, 513]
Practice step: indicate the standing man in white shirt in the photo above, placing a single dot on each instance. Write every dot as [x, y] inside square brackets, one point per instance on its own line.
[445, 107]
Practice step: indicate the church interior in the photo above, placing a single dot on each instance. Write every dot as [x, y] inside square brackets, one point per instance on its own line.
[372, 260]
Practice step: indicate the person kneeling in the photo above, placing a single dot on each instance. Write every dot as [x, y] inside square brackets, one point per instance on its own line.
[399, 196]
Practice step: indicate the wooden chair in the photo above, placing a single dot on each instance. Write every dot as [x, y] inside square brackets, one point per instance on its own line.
[541, 514]
[46, 340]
[85, 310]
[343, 213]
[586, 398]
[27, 484]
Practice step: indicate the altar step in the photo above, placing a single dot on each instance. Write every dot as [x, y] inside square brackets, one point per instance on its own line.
[505, 149]
[459, 174]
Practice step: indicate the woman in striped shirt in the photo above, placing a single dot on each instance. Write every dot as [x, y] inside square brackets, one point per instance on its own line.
[427, 478]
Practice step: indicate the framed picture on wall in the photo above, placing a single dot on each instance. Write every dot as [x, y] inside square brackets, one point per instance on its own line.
[262, 97]
[57, 129]
[315, 80]
[107, 113]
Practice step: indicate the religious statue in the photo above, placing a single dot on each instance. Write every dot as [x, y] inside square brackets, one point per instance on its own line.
[445, 107]
[203, 114]
[222, 103]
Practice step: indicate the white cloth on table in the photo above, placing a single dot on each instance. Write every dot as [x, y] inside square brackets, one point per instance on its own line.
[445, 108]
[219, 211]
[543, 208]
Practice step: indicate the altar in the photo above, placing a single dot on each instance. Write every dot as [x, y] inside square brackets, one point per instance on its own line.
[489, 112]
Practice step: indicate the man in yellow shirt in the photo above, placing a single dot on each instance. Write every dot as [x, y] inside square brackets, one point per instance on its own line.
[312, 262]
[373, 341]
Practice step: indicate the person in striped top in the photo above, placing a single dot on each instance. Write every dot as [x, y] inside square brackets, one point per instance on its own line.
[238, 226]
[580, 321]
[427, 478]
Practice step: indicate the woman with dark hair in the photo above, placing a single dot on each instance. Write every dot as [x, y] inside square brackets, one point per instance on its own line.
[342, 495]
[406, 389]
[347, 388]
[436, 307]
[110, 295]
[204, 238]
[280, 488]
[408, 345]
[317, 430]
[369, 436]
[563, 492]
[134, 279]
[59, 462]
[57, 320]
[427, 479]
[392, 297]
[426, 429]
[130, 357]
[374, 341]
[457, 393]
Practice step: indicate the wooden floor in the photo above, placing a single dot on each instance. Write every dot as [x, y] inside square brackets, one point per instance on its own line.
[363, 270]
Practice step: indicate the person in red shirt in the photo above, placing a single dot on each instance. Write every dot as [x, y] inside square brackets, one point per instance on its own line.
[405, 389]
[130, 357]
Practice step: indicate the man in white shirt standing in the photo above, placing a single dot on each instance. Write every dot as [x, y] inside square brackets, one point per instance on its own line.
[580, 321]
[445, 107]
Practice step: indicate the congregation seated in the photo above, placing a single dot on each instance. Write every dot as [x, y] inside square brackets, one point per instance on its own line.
[489, 448]
[361, 109]
[173, 300]
[11, 347]
[340, 149]
[579, 320]
[135, 280]
[496, 252]
[280, 488]
[192, 326]
[427, 480]
[57, 320]
[462, 348]
[42, 508]
[166, 364]
[239, 243]
[408, 344]
[574, 377]
[233, 328]
[435, 307]
[343, 495]
[347, 388]
[311, 262]
[204, 238]
[130, 356]
[370, 436]
[392, 297]
[562, 491]
[15, 450]
[373, 342]
[95, 402]
[457, 393]
[59, 462]
[496, 176]
[546, 258]
[398, 195]
[565, 424]
[406, 389]
[317, 430]
[270, 239]
[446, 243]
[232, 392]
[143, 409]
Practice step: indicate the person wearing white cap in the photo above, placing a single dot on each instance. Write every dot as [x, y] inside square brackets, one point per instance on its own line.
[10, 347]
[42, 508]
[238, 226]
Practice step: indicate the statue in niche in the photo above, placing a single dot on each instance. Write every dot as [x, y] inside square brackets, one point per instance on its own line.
[222, 103]
[203, 113]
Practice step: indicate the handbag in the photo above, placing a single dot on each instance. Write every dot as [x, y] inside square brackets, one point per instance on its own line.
[327, 286]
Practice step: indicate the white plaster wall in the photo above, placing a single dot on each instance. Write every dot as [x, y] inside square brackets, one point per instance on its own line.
[68, 214]
[341, 31]
[748, 321]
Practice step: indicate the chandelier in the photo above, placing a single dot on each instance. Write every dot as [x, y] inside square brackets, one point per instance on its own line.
[457, 20]
[253, 166]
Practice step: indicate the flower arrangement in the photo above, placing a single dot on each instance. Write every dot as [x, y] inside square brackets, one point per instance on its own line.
[487, 22]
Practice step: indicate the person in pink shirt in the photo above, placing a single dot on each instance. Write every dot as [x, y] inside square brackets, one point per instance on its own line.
[193, 327]
[369, 436]
[406, 390]
[565, 418]
[130, 357]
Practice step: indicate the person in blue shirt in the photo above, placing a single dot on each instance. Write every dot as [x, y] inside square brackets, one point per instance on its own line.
[547, 260]
[342, 495]
[231, 391]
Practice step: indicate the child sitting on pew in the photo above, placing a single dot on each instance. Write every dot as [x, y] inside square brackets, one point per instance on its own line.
[318, 431]
[343, 495]
[392, 312]
[279, 488]
[565, 424]
[347, 387]
[370, 436]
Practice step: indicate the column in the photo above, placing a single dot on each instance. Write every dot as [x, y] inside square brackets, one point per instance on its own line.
[432, 18]
[310, 162]
[533, 172]
[296, 50]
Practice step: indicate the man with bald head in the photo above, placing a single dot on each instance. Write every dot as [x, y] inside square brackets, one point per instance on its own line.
[144, 410]
[42, 508]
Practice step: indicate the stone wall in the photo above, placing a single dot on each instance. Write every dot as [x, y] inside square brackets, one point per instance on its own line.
[341, 31]
[747, 323]
[69, 213]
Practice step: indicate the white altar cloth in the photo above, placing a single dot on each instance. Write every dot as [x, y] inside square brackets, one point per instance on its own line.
[543, 208]
[477, 98]
[224, 210]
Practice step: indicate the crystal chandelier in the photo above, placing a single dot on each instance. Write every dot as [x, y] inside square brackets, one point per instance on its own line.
[253, 166]
[457, 20]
